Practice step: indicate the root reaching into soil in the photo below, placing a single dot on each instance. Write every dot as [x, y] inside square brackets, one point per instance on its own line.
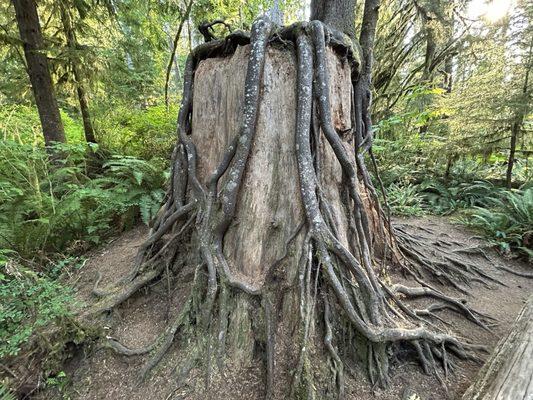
[341, 293]
[517, 273]
[438, 261]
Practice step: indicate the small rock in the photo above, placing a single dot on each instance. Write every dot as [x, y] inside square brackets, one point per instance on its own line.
[410, 394]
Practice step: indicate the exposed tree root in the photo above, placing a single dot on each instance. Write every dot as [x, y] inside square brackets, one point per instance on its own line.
[448, 302]
[518, 273]
[354, 302]
[440, 263]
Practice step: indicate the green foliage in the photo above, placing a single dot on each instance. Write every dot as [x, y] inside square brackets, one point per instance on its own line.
[492, 96]
[144, 133]
[29, 302]
[241, 14]
[507, 221]
[21, 123]
[504, 217]
[135, 183]
[445, 199]
[67, 206]
[404, 200]
[59, 381]
[37, 319]
[5, 394]
[412, 114]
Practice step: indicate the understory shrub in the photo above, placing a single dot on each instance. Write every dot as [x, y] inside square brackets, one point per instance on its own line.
[29, 302]
[444, 198]
[63, 207]
[20, 123]
[37, 323]
[404, 200]
[507, 221]
[144, 133]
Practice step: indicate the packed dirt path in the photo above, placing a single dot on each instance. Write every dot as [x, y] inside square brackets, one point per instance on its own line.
[97, 373]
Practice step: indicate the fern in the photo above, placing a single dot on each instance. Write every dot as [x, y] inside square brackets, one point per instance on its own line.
[445, 199]
[5, 393]
[507, 221]
[404, 200]
[45, 209]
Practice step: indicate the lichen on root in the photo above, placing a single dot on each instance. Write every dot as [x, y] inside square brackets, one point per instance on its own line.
[341, 292]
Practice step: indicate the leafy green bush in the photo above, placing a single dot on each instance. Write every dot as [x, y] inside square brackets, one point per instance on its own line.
[404, 200]
[406, 159]
[37, 324]
[64, 208]
[21, 124]
[29, 301]
[143, 133]
[507, 221]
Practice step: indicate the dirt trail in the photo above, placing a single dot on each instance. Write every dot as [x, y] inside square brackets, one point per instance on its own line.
[97, 373]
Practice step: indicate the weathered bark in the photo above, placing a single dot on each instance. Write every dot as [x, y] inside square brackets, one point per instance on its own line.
[72, 45]
[430, 37]
[448, 61]
[447, 82]
[363, 86]
[39, 74]
[84, 108]
[338, 14]
[508, 374]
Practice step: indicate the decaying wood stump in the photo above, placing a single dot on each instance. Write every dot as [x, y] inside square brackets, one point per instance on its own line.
[268, 231]
[508, 374]
[271, 204]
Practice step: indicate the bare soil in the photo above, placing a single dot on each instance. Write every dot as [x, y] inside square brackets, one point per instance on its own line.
[97, 373]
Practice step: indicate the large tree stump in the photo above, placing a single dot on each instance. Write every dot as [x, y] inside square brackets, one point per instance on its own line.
[508, 374]
[272, 205]
[269, 209]
[268, 231]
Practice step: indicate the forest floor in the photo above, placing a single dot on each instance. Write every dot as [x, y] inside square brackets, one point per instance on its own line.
[95, 372]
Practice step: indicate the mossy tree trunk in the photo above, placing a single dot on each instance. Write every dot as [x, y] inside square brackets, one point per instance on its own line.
[38, 71]
[78, 76]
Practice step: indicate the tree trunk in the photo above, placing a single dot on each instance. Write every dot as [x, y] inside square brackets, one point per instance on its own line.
[512, 151]
[39, 74]
[448, 74]
[268, 238]
[176, 67]
[72, 45]
[338, 14]
[508, 374]
[84, 108]
[521, 112]
[184, 17]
